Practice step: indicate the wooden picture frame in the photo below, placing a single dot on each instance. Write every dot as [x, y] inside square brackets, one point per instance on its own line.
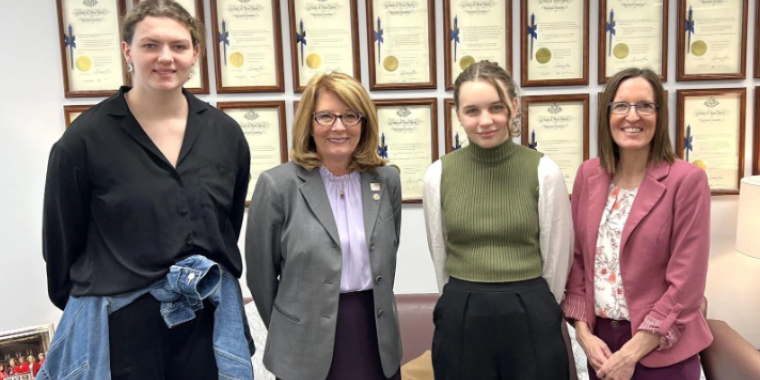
[603, 44]
[219, 38]
[756, 145]
[447, 38]
[449, 126]
[64, 43]
[682, 134]
[419, 175]
[203, 58]
[70, 113]
[251, 115]
[372, 54]
[682, 40]
[524, 53]
[554, 109]
[297, 85]
[757, 42]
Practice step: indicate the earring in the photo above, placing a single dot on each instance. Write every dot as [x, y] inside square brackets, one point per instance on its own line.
[190, 75]
[130, 68]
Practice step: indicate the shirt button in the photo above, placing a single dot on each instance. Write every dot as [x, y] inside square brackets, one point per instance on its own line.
[189, 240]
[378, 279]
[379, 313]
[183, 211]
[372, 246]
[615, 324]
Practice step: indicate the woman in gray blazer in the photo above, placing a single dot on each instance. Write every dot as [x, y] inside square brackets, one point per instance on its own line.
[323, 232]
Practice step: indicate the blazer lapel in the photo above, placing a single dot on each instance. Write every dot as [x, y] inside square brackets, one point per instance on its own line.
[370, 205]
[598, 186]
[313, 190]
[650, 192]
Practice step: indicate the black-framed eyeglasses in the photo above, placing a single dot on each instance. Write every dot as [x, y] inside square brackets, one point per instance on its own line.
[327, 119]
[623, 108]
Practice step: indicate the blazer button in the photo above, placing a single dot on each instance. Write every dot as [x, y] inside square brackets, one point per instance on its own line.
[378, 279]
[379, 313]
[372, 246]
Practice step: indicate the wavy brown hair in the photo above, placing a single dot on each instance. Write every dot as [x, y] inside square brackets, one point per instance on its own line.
[660, 148]
[304, 150]
[163, 8]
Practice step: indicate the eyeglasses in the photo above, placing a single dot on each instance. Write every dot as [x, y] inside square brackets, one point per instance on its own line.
[327, 119]
[644, 109]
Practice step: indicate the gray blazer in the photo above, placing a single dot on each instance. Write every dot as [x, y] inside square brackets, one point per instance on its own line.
[293, 259]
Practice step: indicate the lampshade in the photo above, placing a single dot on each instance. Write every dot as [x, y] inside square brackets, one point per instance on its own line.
[748, 224]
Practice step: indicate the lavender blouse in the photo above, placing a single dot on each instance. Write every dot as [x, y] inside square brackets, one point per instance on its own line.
[345, 195]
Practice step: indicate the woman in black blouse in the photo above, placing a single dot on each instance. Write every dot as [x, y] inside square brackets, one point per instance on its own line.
[144, 179]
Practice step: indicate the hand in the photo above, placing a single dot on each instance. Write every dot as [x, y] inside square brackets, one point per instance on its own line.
[619, 366]
[596, 350]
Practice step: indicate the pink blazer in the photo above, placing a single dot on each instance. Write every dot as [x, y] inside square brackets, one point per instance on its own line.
[664, 252]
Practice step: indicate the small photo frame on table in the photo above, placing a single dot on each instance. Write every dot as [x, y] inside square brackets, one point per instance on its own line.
[198, 83]
[455, 135]
[476, 31]
[24, 342]
[247, 41]
[712, 42]
[401, 41]
[263, 124]
[70, 113]
[554, 43]
[324, 37]
[633, 35]
[409, 140]
[558, 126]
[710, 134]
[90, 43]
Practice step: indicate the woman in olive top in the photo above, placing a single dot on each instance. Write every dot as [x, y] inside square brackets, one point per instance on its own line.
[499, 231]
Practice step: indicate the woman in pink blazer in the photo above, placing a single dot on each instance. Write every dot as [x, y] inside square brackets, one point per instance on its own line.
[642, 227]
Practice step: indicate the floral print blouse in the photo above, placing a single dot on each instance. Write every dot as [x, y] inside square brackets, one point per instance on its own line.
[609, 292]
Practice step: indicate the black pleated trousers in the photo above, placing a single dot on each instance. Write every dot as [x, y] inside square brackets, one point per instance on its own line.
[499, 331]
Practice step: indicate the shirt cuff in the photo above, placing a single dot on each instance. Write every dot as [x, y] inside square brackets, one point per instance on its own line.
[666, 341]
[574, 308]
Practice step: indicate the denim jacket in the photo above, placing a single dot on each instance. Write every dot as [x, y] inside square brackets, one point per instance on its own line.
[80, 347]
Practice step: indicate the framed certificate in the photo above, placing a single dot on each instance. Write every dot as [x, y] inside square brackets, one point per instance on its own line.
[557, 125]
[456, 137]
[757, 45]
[476, 31]
[198, 84]
[409, 140]
[710, 134]
[70, 113]
[756, 146]
[554, 42]
[324, 37]
[263, 124]
[401, 41]
[90, 44]
[247, 43]
[712, 44]
[634, 35]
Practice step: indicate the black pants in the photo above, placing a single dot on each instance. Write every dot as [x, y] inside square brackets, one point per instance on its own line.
[144, 348]
[499, 331]
[356, 355]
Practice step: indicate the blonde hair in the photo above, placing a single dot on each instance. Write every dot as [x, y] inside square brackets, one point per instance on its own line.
[660, 148]
[304, 150]
[163, 8]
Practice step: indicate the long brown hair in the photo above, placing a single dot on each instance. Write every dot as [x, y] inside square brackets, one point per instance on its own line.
[491, 72]
[304, 150]
[660, 148]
